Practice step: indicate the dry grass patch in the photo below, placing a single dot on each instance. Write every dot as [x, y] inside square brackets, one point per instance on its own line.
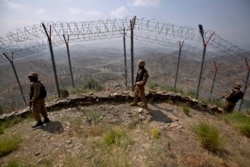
[9, 144]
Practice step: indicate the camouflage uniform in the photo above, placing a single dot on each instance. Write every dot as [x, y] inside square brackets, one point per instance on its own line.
[38, 103]
[232, 98]
[141, 80]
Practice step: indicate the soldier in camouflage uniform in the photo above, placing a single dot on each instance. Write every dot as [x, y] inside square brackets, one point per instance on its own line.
[141, 80]
[37, 103]
[232, 98]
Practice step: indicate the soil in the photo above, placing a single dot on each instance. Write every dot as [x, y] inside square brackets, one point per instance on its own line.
[74, 137]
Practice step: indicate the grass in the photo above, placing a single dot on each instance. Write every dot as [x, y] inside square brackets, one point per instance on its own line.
[240, 121]
[9, 122]
[92, 115]
[117, 136]
[8, 107]
[111, 149]
[209, 136]
[154, 133]
[153, 85]
[9, 144]
[191, 93]
[218, 103]
[186, 110]
[90, 84]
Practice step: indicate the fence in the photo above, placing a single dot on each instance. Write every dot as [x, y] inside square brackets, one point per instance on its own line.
[162, 37]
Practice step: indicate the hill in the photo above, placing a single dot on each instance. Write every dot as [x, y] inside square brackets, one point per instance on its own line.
[106, 65]
[116, 134]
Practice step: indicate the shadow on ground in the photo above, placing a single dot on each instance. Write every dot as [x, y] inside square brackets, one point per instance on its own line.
[53, 127]
[157, 115]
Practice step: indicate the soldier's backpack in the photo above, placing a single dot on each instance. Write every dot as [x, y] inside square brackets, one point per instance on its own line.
[43, 92]
[235, 96]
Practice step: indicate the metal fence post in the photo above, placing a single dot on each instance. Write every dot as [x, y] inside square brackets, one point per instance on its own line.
[125, 58]
[178, 64]
[132, 24]
[52, 58]
[70, 67]
[215, 73]
[14, 69]
[203, 56]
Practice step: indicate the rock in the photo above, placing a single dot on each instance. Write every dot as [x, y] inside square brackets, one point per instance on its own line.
[141, 117]
[37, 153]
[140, 110]
[174, 125]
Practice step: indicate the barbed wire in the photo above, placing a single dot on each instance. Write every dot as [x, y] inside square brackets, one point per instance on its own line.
[105, 29]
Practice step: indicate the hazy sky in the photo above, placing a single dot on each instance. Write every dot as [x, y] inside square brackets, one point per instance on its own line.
[230, 19]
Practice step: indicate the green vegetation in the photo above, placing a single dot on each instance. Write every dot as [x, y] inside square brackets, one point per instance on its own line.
[64, 93]
[9, 144]
[240, 121]
[13, 163]
[74, 161]
[9, 122]
[171, 89]
[90, 84]
[186, 110]
[154, 133]
[7, 107]
[191, 93]
[117, 136]
[216, 102]
[93, 115]
[152, 85]
[208, 135]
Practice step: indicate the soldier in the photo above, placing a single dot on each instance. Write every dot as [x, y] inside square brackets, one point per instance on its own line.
[37, 100]
[232, 98]
[141, 80]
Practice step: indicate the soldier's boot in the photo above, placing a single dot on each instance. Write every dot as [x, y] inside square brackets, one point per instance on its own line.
[133, 104]
[39, 123]
[46, 120]
[145, 106]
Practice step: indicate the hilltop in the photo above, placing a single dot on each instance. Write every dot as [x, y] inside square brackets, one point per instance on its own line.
[112, 133]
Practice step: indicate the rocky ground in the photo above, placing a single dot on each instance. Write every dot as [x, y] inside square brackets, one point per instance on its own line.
[159, 136]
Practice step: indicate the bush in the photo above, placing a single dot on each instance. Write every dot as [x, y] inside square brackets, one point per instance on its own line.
[117, 136]
[208, 136]
[92, 84]
[9, 144]
[240, 121]
[64, 93]
[152, 85]
[186, 110]
[154, 133]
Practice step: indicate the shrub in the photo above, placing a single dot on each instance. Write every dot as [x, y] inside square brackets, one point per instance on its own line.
[240, 121]
[186, 110]
[9, 144]
[92, 84]
[154, 133]
[152, 85]
[117, 136]
[208, 136]
[64, 93]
